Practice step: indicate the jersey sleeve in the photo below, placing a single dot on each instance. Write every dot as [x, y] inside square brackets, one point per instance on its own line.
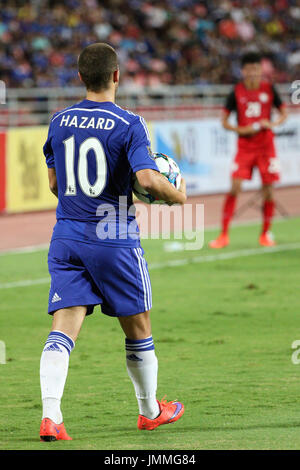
[277, 101]
[138, 146]
[230, 102]
[47, 149]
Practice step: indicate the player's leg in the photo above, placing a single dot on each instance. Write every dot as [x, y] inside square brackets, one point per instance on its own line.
[269, 169]
[268, 213]
[136, 327]
[141, 361]
[126, 283]
[227, 213]
[54, 366]
[72, 295]
[69, 320]
[142, 367]
[230, 203]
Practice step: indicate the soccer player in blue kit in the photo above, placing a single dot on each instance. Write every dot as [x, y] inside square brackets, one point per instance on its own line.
[93, 150]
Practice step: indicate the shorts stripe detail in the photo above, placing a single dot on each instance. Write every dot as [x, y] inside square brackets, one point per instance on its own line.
[147, 278]
[144, 281]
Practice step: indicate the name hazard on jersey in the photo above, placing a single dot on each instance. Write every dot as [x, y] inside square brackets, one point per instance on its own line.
[86, 122]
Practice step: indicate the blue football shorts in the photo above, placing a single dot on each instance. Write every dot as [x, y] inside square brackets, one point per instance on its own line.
[117, 278]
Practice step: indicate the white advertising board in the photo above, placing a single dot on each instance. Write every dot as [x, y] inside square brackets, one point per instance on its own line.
[205, 151]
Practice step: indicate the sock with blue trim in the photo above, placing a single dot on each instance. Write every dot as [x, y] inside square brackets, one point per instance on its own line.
[142, 368]
[53, 373]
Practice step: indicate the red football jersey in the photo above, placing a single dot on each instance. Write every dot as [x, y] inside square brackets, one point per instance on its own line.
[251, 107]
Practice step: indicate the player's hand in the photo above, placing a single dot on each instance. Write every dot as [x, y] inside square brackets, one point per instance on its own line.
[182, 188]
[266, 124]
[248, 130]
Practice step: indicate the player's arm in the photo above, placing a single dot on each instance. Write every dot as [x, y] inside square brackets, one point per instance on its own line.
[282, 116]
[281, 109]
[142, 164]
[50, 162]
[158, 186]
[230, 106]
[240, 130]
[52, 181]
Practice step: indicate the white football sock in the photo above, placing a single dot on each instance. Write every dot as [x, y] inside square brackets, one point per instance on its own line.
[51, 409]
[53, 373]
[142, 367]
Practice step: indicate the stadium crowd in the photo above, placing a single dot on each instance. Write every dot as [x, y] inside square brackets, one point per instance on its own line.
[158, 41]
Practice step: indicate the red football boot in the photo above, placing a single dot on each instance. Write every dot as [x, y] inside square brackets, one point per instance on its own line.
[169, 413]
[266, 240]
[49, 431]
[220, 242]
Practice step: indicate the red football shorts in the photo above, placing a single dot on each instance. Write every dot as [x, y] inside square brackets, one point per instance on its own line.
[264, 159]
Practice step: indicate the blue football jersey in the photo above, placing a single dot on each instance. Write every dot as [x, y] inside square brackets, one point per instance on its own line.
[95, 149]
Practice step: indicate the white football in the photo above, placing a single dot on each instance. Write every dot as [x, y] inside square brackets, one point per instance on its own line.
[167, 167]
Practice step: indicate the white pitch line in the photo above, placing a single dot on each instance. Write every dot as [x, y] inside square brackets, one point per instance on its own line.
[25, 249]
[25, 283]
[225, 256]
[178, 262]
[209, 228]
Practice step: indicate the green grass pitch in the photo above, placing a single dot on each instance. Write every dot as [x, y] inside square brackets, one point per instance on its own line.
[223, 331]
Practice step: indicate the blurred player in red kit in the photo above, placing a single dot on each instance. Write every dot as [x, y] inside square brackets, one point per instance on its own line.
[252, 99]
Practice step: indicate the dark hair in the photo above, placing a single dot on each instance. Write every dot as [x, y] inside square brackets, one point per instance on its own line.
[96, 64]
[251, 58]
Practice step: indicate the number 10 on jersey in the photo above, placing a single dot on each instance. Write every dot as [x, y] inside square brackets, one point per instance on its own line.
[91, 190]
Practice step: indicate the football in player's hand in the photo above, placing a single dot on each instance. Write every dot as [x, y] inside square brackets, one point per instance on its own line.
[167, 167]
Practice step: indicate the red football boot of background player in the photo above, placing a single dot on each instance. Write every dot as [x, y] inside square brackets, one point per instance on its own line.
[220, 242]
[266, 240]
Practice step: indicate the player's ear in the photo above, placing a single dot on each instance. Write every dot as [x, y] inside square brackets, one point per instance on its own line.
[79, 76]
[116, 76]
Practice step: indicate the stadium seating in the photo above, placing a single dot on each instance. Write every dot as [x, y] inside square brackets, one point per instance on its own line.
[159, 42]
